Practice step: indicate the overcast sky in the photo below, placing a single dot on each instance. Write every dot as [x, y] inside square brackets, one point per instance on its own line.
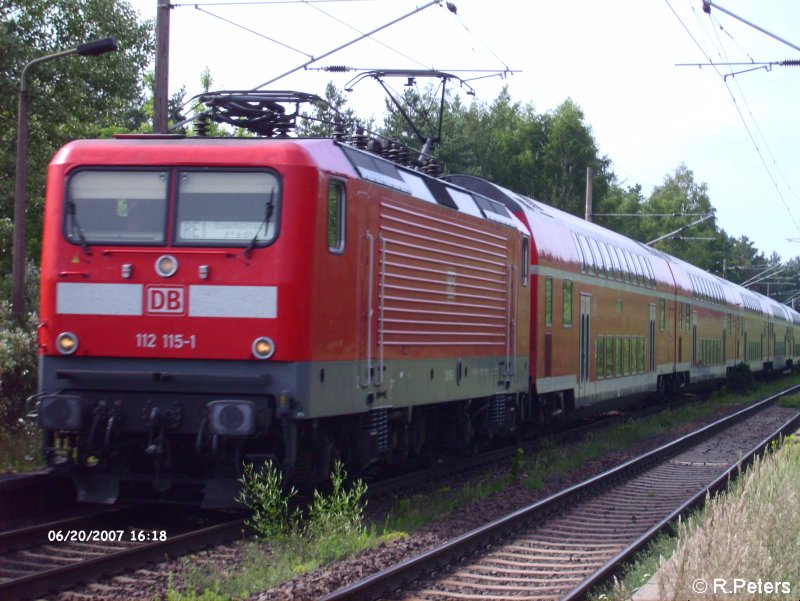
[615, 59]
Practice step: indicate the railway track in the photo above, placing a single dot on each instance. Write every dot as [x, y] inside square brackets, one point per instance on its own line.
[568, 431]
[562, 546]
[46, 558]
[28, 567]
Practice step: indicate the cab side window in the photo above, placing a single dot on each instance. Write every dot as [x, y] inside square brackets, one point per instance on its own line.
[336, 216]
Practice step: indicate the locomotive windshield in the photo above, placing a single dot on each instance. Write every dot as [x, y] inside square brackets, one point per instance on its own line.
[226, 208]
[116, 207]
[212, 208]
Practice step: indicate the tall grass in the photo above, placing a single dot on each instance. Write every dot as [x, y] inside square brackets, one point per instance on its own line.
[750, 535]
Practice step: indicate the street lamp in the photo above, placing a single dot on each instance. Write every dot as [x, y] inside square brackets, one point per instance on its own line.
[92, 48]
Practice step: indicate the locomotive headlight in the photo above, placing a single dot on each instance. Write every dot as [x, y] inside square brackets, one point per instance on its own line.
[263, 348]
[232, 418]
[166, 266]
[60, 412]
[67, 343]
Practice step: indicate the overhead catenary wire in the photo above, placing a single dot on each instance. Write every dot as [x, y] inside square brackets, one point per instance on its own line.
[338, 20]
[261, 35]
[350, 43]
[760, 133]
[736, 105]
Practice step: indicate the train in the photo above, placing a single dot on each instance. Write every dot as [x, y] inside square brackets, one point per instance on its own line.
[210, 302]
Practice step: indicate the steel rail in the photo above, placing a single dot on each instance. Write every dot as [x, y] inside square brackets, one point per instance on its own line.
[63, 577]
[394, 578]
[613, 565]
[21, 538]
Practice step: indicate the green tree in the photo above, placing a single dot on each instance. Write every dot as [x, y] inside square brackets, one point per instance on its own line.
[320, 122]
[682, 196]
[618, 208]
[743, 259]
[568, 150]
[71, 97]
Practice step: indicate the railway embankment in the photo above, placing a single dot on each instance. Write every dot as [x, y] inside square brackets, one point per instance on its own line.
[742, 545]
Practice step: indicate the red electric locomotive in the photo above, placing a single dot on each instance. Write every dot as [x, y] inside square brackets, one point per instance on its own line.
[207, 302]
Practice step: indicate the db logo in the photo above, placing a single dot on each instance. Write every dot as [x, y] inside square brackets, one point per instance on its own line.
[163, 300]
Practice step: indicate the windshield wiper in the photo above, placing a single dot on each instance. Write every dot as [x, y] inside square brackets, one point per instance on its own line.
[270, 204]
[76, 227]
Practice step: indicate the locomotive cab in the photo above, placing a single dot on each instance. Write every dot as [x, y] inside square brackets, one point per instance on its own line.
[161, 347]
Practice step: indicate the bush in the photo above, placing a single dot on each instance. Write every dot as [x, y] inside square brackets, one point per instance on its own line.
[340, 513]
[18, 365]
[334, 522]
[740, 379]
[263, 494]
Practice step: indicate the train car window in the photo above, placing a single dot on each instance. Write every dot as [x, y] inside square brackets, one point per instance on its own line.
[641, 354]
[647, 273]
[548, 302]
[609, 357]
[525, 268]
[645, 276]
[600, 347]
[638, 268]
[614, 260]
[630, 272]
[580, 252]
[591, 262]
[626, 355]
[618, 356]
[336, 216]
[567, 303]
[651, 275]
[607, 258]
[116, 207]
[621, 269]
[662, 314]
[688, 316]
[601, 266]
[227, 208]
[680, 317]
